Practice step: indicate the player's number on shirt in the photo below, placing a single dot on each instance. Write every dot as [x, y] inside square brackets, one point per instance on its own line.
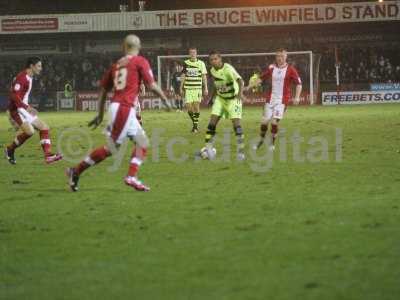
[120, 79]
[223, 88]
[193, 72]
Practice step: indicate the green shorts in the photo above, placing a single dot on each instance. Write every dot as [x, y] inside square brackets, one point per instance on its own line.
[193, 95]
[228, 109]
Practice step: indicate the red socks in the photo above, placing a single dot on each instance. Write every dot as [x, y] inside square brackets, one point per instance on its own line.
[100, 154]
[19, 140]
[95, 157]
[45, 142]
[138, 155]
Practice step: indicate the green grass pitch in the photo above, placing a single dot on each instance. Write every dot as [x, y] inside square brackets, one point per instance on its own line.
[209, 230]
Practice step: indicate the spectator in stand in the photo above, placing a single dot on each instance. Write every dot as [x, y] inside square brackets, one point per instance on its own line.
[397, 74]
[363, 64]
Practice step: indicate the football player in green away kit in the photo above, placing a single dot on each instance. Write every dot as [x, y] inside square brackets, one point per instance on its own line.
[227, 99]
[194, 86]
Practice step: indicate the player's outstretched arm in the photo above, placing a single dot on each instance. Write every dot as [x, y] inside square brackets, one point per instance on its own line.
[252, 84]
[241, 88]
[156, 89]
[182, 90]
[299, 88]
[100, 115]
[142, 89]
[205, 85]
[213, 95]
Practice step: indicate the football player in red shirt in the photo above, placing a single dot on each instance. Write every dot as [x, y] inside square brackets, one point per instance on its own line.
[124, 78]
[25, 117]
[281, 76]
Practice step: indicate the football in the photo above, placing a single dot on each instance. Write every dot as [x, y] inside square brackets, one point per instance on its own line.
[208, 153]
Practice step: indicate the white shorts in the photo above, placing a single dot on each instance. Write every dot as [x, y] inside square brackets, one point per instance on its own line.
[273, 111]
[21, 115]
[123, 123]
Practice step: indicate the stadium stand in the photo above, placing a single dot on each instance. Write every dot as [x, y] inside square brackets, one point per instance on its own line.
[358, 65]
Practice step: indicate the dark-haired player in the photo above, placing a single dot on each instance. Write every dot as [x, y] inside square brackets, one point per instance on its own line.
[24, 117]
[227, 99]
[176, 80]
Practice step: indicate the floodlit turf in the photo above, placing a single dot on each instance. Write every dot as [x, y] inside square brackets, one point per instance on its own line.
[209, 230]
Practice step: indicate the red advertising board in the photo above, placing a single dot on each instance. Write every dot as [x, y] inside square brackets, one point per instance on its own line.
[87, 101]
[29, 24]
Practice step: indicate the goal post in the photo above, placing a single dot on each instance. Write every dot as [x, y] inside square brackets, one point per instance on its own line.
[246, 64]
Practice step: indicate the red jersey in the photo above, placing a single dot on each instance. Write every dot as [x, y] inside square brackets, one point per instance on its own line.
[281, 80]
[19, 93]
[125, 77]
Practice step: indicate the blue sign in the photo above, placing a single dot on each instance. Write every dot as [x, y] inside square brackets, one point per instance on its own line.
[375, 87]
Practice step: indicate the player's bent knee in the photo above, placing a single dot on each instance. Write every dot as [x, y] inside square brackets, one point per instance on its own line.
[28, 129]
[265, 121]
[44, 126]
[213, 120]
[275, 121]
[112, 146]
[211, 127]
[235, 122]
[142, 140]
[40, 125]
[107, 149]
